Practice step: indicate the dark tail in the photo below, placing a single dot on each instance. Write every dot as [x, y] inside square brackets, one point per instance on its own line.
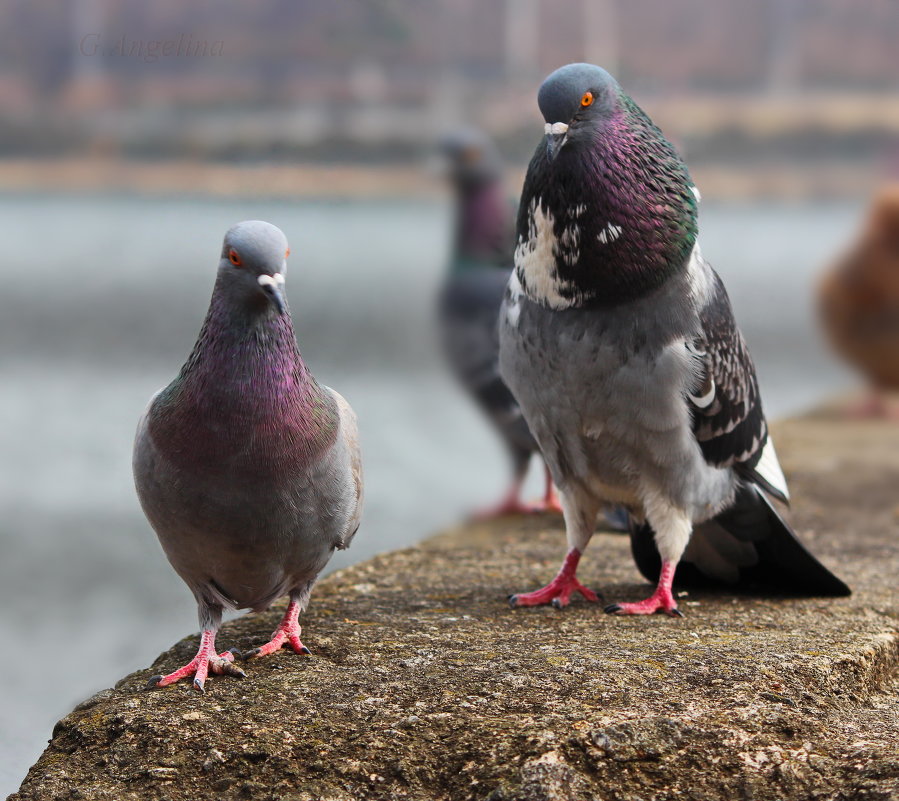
[746, 547]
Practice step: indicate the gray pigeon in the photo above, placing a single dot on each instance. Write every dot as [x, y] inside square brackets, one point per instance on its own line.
[618, 340]
[470, 300]
[248, 470]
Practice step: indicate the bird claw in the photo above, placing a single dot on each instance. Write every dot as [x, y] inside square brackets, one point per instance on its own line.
[559, 590]
[206, 661]
[557, 593]
[648, 607]
[230, 669]
[288, 631]
[275, 644]
[153, 681]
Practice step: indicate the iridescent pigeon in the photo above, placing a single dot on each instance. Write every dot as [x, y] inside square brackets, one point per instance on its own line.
[470, 299]
[248, 470]
[618, 340]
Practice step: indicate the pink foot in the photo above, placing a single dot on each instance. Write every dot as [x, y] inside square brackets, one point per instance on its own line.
[662, 600]
[288, 631]
[507, 507]
[199, 667]
[512, 504]
[558, 591]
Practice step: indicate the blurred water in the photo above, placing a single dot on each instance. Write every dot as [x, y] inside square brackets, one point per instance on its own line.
[101, 299]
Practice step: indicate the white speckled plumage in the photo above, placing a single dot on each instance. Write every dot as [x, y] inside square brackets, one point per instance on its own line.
[627, 362]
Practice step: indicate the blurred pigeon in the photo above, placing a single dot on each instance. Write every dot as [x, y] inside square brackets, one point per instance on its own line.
[619, 342]
[470, 299]
[248, 470]
[859, 304]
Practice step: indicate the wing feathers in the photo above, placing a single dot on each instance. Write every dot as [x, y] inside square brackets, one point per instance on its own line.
[728, 421]
[768, 474]
[747, 546]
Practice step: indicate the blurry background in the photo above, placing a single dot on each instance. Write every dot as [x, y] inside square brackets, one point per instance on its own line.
[133, 134]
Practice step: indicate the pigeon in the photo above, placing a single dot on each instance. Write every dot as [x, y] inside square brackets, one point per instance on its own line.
[470, 298]
[859, 305]
[248, 470]
[619, 342]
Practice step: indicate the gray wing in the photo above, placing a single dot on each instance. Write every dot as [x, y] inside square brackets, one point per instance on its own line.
[349, 438]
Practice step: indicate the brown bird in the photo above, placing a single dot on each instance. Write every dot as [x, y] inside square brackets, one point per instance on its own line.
[859, 304]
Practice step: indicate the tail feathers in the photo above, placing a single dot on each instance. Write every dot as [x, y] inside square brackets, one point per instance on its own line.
[747, 546]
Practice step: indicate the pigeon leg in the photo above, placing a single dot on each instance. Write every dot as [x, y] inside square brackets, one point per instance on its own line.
[558, 591]
[550, 501]
[672, 528]
[662, 600]
[288, 631]
[511, 504]
[205, 660]
[580, 521]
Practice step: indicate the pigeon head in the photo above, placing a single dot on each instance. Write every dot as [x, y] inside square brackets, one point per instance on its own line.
[608, 209]
[574, 100]
[483, 225]
[252, 267]
[471, 158]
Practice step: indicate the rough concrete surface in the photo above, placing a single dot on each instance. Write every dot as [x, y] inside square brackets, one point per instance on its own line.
[424, 684]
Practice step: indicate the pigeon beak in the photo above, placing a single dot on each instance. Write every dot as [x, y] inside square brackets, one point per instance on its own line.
[556, 137]
[273, 286]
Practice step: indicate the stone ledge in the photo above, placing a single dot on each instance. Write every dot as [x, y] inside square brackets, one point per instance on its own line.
[423, 684]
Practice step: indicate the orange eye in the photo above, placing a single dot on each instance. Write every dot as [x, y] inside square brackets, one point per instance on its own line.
[234, 258]
[287, 253]
[587, 99]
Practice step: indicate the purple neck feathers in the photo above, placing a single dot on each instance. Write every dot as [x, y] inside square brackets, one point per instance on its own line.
[245, 399]
[246, 358]
[484, 225]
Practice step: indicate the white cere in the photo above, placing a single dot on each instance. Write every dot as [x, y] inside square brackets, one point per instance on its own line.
[275, 280]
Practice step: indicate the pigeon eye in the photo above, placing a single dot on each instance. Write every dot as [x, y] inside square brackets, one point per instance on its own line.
[587, 99]
[287, 253]
[234, 258]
